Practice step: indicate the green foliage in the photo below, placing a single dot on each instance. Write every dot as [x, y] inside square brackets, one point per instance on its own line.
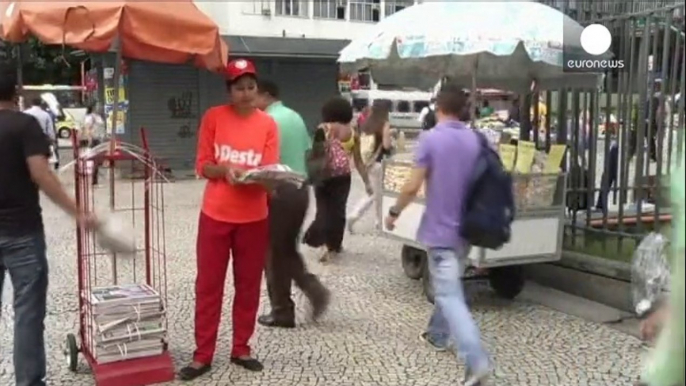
[42, 64]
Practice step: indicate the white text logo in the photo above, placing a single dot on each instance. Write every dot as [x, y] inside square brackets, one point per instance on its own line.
[596, 41]
[224, 153]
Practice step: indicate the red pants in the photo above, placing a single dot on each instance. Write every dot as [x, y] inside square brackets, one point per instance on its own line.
[217, 242]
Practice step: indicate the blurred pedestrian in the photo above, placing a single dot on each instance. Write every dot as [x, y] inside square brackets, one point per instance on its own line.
[379, 127]
[332, 189]
[232, 138]
[666, 364]
[427, 117]
[24, 170]
[47, 124]
[513, 113]
[439, 230]
[486, 109]
[91, 135]
[655, 112]
[362, 117]
[55, 143]
[287, 209]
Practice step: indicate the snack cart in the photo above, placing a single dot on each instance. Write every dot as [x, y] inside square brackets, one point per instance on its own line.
[537, 230]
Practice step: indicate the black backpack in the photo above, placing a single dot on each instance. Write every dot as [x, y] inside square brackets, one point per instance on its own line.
[489, 206]
[429, 120]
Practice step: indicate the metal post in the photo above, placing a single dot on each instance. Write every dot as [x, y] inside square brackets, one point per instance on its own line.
[113, 144]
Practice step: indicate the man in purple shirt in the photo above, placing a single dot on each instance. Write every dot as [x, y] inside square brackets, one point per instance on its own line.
[439, 151]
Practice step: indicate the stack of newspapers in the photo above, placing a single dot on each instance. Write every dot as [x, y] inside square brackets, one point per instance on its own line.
[128, 322]
[275, 174]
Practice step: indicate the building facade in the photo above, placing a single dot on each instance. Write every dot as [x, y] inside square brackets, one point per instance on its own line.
[292, 42]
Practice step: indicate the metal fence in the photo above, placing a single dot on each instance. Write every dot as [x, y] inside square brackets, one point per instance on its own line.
[623, 137]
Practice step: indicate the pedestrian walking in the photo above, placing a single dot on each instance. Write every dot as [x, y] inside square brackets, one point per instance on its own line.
[438, 152]
[655, 113]
[427, 117]
[91, 135]
[287, 209]
[332, 189]
[47, 124]
[24, 170]
[233, 220]
[378, 126]
[55, 143]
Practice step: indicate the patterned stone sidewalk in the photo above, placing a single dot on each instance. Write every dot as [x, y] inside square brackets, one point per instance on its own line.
[370, 335]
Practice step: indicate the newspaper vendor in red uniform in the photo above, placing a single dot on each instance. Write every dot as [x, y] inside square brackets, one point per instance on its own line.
[233, 221]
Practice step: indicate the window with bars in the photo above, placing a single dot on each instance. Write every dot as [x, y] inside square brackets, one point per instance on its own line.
[393, 6]
[365, 10]
[291, 8]
[329, 9]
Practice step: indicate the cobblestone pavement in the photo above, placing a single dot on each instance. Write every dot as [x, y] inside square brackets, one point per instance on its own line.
[370, 335]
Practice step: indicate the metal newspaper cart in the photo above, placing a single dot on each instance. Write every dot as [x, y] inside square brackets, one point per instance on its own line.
[536, 232]
[141, 203]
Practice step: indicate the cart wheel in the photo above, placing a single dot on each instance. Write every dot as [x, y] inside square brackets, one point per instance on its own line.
[413, 261]
[507, 282]
[71, 352]
[427, 286]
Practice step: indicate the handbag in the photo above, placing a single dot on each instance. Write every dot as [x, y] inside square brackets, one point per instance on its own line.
[317, 158]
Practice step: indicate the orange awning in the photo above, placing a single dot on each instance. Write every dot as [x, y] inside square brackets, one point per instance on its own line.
[166, 32]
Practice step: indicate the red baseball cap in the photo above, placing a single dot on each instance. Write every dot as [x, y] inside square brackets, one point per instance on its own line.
[239, 67]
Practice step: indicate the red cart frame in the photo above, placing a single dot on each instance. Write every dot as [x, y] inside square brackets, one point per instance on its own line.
[150, 206]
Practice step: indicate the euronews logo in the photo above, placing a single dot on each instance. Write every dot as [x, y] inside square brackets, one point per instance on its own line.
[595, 56]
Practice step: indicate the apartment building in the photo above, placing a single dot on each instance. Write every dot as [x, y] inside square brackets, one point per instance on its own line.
[293, 42]
[296, 42]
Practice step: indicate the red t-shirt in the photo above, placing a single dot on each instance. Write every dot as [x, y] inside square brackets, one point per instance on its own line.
[242, 142]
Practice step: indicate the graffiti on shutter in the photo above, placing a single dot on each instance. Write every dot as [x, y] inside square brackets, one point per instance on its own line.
[181, 106]
[185, 131]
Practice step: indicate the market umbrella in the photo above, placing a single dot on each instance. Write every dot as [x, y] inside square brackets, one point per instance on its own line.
[505, 45]
[168, 32]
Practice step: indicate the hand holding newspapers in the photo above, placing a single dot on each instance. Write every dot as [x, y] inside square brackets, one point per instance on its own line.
[274, 174]
[128, 322]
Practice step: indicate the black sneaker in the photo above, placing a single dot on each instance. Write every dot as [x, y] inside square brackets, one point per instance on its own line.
[426, 338]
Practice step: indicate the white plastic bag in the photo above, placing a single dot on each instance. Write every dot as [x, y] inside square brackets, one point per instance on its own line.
[649, 272]
[116, 235]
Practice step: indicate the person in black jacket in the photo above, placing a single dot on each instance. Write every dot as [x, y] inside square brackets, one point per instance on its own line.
[428, 115]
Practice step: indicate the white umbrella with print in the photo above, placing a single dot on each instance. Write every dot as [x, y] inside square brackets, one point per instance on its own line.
[504, 45]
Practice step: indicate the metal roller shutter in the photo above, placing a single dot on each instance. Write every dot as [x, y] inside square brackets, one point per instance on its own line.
[305, 85]
[165, 100]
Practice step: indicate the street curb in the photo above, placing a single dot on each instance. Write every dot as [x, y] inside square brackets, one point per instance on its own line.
[602, 289]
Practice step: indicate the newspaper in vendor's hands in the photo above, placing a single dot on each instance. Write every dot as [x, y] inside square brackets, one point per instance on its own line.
[273, 174]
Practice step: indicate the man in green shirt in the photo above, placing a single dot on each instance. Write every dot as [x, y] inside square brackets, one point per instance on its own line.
[287, 209]
[666, 364]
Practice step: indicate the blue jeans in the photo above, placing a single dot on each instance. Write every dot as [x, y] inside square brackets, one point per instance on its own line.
[24, 258]
[451, 316]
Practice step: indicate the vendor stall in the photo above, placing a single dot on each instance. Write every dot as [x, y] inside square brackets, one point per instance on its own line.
[465, 49]
[536, 232]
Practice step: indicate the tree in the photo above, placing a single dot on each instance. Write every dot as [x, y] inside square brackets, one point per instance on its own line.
[42, 64]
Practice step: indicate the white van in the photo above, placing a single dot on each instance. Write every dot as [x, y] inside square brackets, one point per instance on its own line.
[405, 106]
